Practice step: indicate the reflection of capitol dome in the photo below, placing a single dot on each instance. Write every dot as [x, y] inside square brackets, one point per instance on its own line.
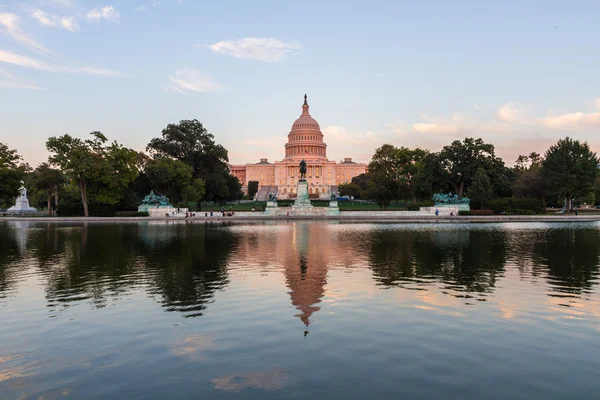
[305, 140]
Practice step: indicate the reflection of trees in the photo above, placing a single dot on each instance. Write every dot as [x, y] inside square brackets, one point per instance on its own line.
[465, 260]
[572, 257]
[188, 270]
[183, 264]
[9, 255]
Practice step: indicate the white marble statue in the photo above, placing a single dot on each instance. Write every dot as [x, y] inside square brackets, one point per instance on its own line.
[22, 202]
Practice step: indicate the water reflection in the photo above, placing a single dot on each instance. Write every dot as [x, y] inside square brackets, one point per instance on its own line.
[222, 306]
[182, 265]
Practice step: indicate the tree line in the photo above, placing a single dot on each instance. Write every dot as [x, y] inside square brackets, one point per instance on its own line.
[566, 174]
[184, 164]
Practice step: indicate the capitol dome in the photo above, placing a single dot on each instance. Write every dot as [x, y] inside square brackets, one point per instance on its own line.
[305, 140]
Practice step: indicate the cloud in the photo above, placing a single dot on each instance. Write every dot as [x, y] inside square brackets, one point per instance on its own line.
[8, 80]
[68, 23]
[191, 80]
[9, 24]
[511, 113]
[107, 13]
[436, 129]
[262, 49]
[140, 8]
[43, 18]
[577, 121]
[23, 61]
[27, 62]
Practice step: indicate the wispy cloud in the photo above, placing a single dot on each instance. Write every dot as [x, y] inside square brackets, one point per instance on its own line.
[50, 20]
[9, 25]
[262, 49]
[191, 80]
[8, 80]
[107, 13]
[8, 57]
[23, 61]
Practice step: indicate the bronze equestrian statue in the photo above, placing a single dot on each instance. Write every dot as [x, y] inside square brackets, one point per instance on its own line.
[302, 170]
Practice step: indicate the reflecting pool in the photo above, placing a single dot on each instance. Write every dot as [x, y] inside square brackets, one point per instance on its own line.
[299, 310]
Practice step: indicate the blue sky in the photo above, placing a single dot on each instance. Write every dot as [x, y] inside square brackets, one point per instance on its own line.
[519, 74]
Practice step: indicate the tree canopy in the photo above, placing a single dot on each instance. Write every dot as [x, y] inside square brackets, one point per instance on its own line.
[102, 172]
[570, 169]
[189, 142]
[12, 171]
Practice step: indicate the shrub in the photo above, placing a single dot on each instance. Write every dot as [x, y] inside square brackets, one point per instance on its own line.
[76, 210]
[521, 206]
[464, 212]
[132, 214]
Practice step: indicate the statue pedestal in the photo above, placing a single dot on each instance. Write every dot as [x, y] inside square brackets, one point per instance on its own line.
[334, 208]
[302, 199]
[271, 208]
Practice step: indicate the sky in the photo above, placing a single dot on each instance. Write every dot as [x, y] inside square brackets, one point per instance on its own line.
[519, 74]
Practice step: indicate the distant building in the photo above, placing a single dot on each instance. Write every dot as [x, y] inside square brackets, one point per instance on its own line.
[305, 142]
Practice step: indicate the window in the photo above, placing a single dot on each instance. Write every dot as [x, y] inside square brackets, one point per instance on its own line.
[323, 190]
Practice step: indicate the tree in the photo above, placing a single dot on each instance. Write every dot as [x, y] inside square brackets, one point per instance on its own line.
[385, 180]
[48, 179]
[349, 189]
[570, 169]
[461, 160]
[481, 187]
[362, 181]
[189, 142]
[169, 177]
[101, 172]
[408, 163]
[529, 181]
[234, 188]
[381, 190]
[12, 171]
[194, 192]
[252, 189]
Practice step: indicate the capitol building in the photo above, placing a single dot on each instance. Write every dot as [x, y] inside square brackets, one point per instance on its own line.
[305, 142]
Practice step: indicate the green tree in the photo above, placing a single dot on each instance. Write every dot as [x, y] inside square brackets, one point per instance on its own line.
[570, 169]
[189, 142]
[362, 181]
[102, 172]
[408, 164]
[49, 180]
[381, 190]
[529, 181]
[481, 187]
[234, 188]
[384, 185]
[169, 177]
[461, 160]
[194, 192]
[349, 189]
[12, 171]
[252, 189]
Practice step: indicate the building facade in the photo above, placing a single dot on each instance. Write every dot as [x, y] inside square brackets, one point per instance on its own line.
[305, 142]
